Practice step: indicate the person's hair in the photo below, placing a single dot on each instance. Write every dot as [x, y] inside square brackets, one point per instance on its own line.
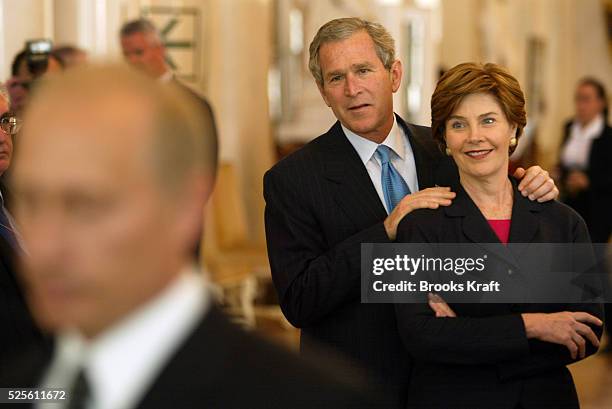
[179, 144]
[600, 89]
[343, 28]
[471, 78]
[19, 58]
[67, 55]
[4, 95]
[141, 25]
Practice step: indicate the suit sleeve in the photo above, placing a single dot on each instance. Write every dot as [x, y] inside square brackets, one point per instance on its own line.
[545, 355]
[459, 340]
[600, 174]
[312, 278]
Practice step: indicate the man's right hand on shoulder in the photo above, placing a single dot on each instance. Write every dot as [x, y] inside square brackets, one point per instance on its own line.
[430, 198]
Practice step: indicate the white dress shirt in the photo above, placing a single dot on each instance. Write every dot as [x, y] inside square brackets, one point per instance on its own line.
[402, 157]
[575, 154]
[122, 362]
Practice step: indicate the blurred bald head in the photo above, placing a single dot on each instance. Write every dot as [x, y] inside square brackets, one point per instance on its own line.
[110, 179]
[117, 97]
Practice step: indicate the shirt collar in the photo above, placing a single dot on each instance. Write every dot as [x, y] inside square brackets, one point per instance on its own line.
[123, 361]
[592, 130]
[365, 148]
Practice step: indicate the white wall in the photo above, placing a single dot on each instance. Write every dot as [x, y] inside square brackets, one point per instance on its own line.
[236, 48]
[574, 35]
[21, 20]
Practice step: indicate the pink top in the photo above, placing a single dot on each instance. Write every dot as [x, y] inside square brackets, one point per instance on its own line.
[501, 229]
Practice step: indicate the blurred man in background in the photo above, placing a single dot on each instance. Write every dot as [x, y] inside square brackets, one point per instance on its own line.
[18, 329]
[110, 228]
[144, 49]
[16, 324]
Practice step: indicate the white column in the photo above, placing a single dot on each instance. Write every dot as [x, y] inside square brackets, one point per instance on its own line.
[20, 20]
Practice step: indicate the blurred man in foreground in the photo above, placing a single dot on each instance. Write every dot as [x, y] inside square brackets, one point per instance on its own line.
[110, 186]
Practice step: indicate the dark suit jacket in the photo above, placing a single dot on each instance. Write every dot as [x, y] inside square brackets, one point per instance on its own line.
[18, 328]
[594, 203]
[220, 366]
[482, 358]
[320, 206]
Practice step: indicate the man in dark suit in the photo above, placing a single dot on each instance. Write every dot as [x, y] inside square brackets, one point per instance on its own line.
[18, 328]
[144, 49]
[109, 229]
[329, 197]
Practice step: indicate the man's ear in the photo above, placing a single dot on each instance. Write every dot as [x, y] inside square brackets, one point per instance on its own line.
[189, 206]
[322, 92]
[396, 72]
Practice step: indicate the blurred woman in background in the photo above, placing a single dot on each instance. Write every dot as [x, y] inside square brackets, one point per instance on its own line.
[586, 160]
[586, 170]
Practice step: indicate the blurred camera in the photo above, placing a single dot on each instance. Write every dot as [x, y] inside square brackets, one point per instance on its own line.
[37, 56]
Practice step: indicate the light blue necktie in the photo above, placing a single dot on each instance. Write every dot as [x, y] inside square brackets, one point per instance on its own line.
[393, 184]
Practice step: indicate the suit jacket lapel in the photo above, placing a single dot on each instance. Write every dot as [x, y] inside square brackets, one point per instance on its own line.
[476, 228]
[354, 191]
[525, 224]
[209, 345]
[424, 158]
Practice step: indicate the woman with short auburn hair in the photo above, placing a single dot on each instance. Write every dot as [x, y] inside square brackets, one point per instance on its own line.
[491, 355]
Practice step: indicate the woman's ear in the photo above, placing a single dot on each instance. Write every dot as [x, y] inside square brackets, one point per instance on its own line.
[443, 144]
[513, 131]
[396, 75]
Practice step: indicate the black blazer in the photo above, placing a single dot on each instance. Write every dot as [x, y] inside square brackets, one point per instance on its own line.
[221, 366]
[320, 206]
[594, 203]
[19, 330]
[482, 358]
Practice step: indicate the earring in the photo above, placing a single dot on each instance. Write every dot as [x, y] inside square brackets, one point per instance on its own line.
[513, 142]
[448, 152]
